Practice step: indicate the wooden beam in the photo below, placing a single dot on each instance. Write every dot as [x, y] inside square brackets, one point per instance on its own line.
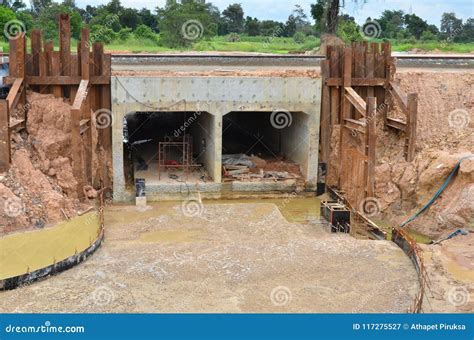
[325, 126]
[370, 144]
[396, 124]
[65, 48]
[399, 96]
[356, 100]
[355, 125]
[59, 80]
[412, 120]
[81, 95]
[335, 67]
[357, 82]
[15, 93]
[5, 148]
[36, 52]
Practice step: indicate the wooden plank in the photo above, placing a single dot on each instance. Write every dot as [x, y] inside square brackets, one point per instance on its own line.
[5, 148]
[36, 42]
[21, 64]
[80, 99]
[86, 108]
[48, 52]
[84, 52]
[76, 154]
[59, 80]
[355, 125]
[371, 143]
[56, 71]
[359, 72]
[65, 48]
[335, 63]
[345, 108]
[412, 121]
[396, 124]
[356, 100]
[369, 71]
[74, 73]
[12, 59]
[399, 96]
[15, 93]
[325, 126]
[357, 81]
[107, 132]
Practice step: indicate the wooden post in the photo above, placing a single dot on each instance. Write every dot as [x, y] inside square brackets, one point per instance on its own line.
[335, 60]
[370, 145]
[5, 148]
[36, 53]
[107, 132]
[345, 109]
[21, 64]
[48, 53]
[412, 113]
[86, 111]
[65, 47]
[325, 125]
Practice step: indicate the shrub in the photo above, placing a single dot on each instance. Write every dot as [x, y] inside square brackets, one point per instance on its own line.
[145, 32]
[124, 33]
[299, 37]
[233, 37]
[102, 34]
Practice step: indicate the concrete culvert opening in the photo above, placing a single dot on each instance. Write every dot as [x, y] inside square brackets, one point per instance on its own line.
[168, 147]
[261, 146]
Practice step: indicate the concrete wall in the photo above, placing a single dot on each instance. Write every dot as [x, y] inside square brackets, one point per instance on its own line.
[205, 130]
[218, 96]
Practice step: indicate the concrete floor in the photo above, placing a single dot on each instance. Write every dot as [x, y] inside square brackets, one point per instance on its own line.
[239, 257]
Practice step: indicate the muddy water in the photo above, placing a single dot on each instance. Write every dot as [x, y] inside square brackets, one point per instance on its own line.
[21, 253]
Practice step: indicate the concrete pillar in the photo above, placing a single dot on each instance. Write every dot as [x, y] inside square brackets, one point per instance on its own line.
[117, 155]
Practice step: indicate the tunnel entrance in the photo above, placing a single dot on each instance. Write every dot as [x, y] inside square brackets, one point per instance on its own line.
[168, 147]
[264, 146]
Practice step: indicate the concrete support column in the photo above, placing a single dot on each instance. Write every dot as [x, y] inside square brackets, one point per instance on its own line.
[117, 155]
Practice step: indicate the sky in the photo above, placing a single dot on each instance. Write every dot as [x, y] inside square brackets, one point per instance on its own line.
[429, 10]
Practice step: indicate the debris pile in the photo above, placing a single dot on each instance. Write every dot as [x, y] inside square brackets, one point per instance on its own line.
[252, 168]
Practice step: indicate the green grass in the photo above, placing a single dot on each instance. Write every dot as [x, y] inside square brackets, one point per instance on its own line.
[276, 45]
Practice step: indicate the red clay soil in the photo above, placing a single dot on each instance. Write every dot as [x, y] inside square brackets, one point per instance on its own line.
[40, 189]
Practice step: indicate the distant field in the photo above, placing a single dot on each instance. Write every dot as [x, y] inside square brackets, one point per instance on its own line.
[277, 45]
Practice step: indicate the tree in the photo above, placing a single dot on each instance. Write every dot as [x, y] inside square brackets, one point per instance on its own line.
[6, 15]
[182, 23]
[233, 16]
[149, 19]
[326, 14]
[415, 25]
[450, 25]
[130, 18]
[391, 23]
[271, 28]
[467, 33]
[290, 26]
[252, 26]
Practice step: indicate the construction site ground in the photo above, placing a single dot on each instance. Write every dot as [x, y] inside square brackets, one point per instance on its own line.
[232, 257]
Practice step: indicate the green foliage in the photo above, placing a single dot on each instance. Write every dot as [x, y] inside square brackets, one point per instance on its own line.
[145, 32]
[233, 18]
[233, 37]
[185, 22]
[348, 31]
[103, 34]
[6, 15]
[124, 34]
[428, 36]
[47, 21]
[299, 37]
[26, 18]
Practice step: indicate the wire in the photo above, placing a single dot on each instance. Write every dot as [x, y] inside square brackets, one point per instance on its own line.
[438, 193]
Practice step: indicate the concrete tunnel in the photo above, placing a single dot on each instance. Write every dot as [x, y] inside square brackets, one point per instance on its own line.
[273, 120]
